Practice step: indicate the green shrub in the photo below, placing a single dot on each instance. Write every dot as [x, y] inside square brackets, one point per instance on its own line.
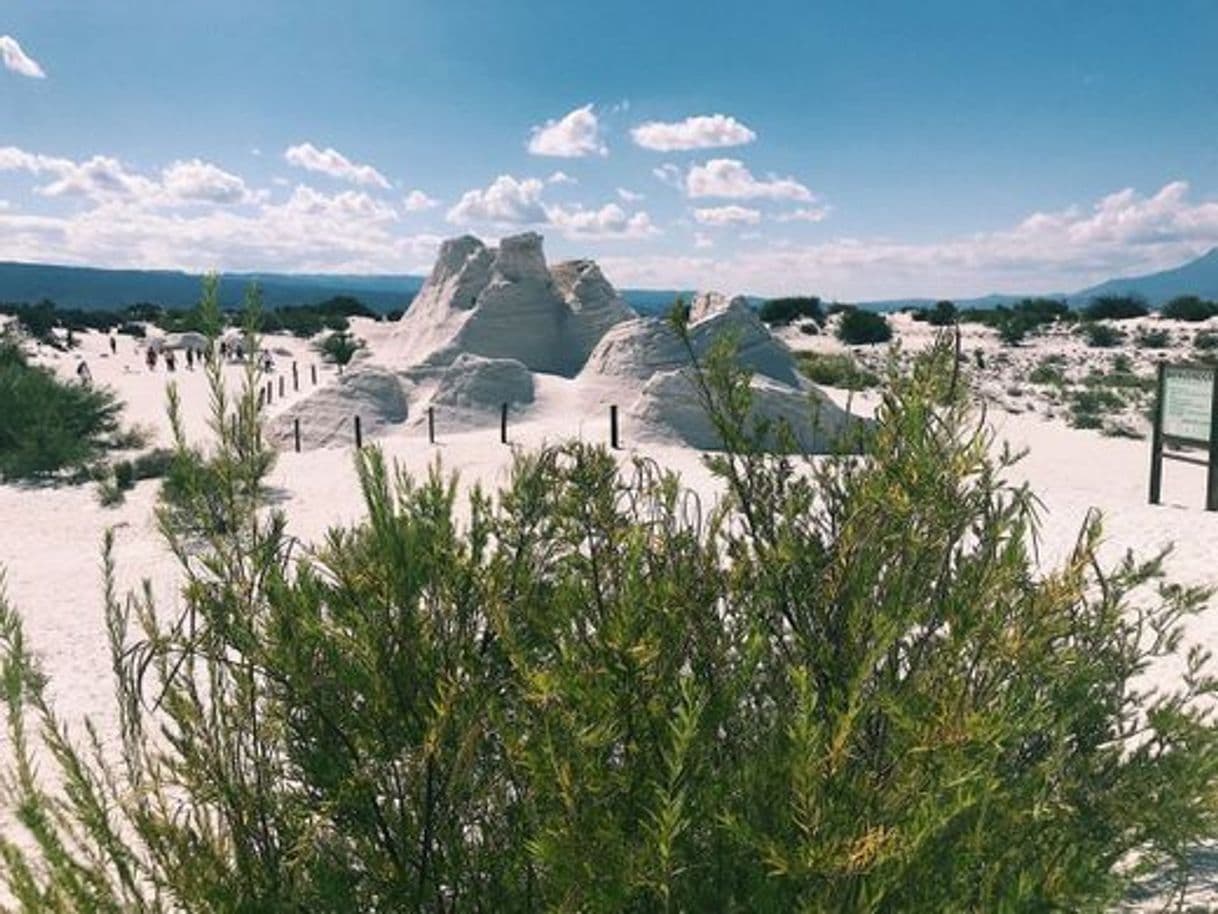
[1047, 372]
[1101, 336]
[781, 311]
[860, 327]
[1189, 308]
[835, 370]
[1205, 340]
[339, 347]
[48, 426]
[850, 687]
[1115, 308]
[943, 314]
[1156, 338]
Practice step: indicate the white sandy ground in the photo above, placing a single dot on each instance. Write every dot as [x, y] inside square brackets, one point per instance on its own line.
[50, 536]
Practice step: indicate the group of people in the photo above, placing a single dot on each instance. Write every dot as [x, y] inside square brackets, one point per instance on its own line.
[171, 359]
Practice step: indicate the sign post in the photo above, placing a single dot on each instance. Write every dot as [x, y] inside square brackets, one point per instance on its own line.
[1186, 415]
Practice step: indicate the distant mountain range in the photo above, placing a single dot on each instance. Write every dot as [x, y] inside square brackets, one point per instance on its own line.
[90, 287]
[97, 289]
[1197, 277]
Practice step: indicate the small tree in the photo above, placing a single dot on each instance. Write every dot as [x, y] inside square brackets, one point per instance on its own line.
[861, 327]
[1115, 308]
[339, 347]
[1189, 308]
[943, 314]
[781, 311]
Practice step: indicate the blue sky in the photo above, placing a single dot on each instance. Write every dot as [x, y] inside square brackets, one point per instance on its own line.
[853, 149]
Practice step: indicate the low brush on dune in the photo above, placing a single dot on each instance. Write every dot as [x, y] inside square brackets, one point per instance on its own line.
[847, 687]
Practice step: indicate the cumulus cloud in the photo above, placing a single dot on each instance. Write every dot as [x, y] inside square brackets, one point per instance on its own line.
[575, 135]
[507, 201]
[629, 196]
[561, 177]
[699, 132]
[416, 201]
[204, 182]
[703, 241]
[510, 201]
[105, 179]
[331, 162]
[730, 179]
[608, 222]
[17, 61]
[727, 215]
[805, 214]
[1124, 233]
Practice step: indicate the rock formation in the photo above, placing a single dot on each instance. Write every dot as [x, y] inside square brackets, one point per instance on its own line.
[327, 414]
[670, 404]
[640, 348]
[504, 303]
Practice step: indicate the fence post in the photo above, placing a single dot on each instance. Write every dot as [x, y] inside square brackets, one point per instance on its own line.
[431, 425]
[270, 392]
[359, 434]
[281, 382]
[503, 424]
[296, 432]
[295, 377]
[613, 442]
[313, 368]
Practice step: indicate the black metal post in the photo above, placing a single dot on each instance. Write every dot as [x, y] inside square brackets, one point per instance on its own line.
[503, 424]
[296, 432]
[431, 425]
[1211, 473]
[613, 442]
[282, 379]
[359, 434]
[313, 369]
[1156, 440]
[295, 377]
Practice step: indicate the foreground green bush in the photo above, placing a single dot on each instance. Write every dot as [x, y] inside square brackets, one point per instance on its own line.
[847, 688]
[49, 426]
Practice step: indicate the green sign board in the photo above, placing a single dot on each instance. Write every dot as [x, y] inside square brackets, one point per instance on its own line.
[1186, 414]
[1188, 394]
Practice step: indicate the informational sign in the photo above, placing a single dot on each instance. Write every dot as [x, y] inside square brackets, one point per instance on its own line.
[1186, 416]
[1188, 402]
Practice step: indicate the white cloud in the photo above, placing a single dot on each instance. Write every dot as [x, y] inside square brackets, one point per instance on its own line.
[1125, 233]
[630, 196]
[727, 215]
[729, 178]
[507, 201]
[670, 174]
[703, 241]
[805, 214]
[17, 61]
[699, 132]
[575, 135]
[331, 162]
[416, 201]
[561, 177]
[608, 222]
[105, 179]
[201, 181]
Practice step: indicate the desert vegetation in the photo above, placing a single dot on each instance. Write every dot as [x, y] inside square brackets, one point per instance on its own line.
[847, 687]
[49, 427]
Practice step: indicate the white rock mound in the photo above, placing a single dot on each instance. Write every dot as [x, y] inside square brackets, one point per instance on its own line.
[470, 389]
[505, 303]
[327, 415]
[638, 349]
[671, 404]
